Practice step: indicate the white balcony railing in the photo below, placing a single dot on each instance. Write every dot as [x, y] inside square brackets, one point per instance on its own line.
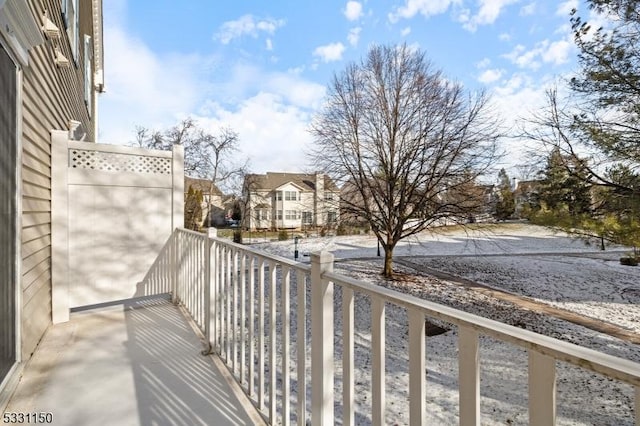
[241, 300]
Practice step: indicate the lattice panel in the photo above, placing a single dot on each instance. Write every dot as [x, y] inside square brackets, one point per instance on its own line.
[115, 162]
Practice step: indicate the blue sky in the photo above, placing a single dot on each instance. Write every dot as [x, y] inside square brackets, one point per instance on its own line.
[261, 67]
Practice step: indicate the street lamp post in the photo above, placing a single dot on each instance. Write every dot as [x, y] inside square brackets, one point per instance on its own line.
[295, 242]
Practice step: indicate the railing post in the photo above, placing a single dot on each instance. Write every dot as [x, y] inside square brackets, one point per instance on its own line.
[211, 283]
[417, 388]
[175, 265]
[469, 376]
[378, 397]
[542, 389]
[177, 194]
[321, 340]
[637, 405]
[209, 299]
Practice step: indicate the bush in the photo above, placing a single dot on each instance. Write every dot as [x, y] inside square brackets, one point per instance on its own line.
[629, 261]
[237, 236]
[283, 235]
[342, 230]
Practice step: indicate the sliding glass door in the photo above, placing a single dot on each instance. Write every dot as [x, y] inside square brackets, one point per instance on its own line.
[8, 157]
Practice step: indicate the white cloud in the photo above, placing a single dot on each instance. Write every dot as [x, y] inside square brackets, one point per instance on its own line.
[426, 8]
[564, 8]
[405, 31]
[484, 63]
[551, 52]
[528, 9]
[354, 36]
[153, 93]
[490, 76]
[330, 52]
[270, 110]
[269, 44]
[504, 37]
[557, 52]
[353, 10]
[488, 13]
[247, 25]
[271, 133]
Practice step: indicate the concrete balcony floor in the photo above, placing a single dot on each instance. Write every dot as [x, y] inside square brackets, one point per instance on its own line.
[136, 363]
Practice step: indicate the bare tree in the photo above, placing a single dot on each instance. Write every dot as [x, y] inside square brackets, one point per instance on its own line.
[207, 155]
[404, 143]
[213, 156]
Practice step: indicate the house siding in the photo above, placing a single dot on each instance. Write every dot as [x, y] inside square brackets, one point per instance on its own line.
[51, 98]
[260, 192]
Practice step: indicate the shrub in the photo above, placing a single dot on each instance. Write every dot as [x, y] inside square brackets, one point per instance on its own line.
[237, 236]
[629, 261]
[283, 235]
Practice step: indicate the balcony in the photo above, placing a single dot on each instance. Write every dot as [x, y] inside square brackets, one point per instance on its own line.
[358, 357]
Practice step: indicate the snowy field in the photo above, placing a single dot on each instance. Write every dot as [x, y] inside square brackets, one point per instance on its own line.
[550, 268]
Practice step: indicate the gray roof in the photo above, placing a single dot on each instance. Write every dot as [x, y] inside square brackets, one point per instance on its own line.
[202, 184]
[273, 180]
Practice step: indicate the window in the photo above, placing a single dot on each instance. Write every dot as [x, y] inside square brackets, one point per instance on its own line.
[290, 195]
[279, 195]
[332, 217]
[307, 218]
[262, 214]
[292, 215]
[328, 196]
[88, 74]
[279, 215]
[71, 15]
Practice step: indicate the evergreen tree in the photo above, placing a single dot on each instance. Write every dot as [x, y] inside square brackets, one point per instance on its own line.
[193, 209]
[564, 185]
[606, 94]
[609, 81]
[506, 204]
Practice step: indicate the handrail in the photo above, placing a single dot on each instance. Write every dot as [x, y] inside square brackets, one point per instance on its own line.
[225, 286]
[615, 367]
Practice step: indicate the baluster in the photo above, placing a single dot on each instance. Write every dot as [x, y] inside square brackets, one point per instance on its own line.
[378, 364]
[261, 390]
[348, 395]
[243, 283]
[228, 303]
[251, 325]
[234, 327]
[301, 347]
[286, 345]
[272, 342]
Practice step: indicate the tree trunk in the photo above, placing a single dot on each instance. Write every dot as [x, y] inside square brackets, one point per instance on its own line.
[388, 262]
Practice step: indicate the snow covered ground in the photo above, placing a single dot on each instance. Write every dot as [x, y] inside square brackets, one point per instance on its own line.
[575, 277]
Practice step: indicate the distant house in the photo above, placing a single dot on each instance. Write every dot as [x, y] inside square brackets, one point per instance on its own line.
[216, 216]
[526, 195]
[290, 201]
